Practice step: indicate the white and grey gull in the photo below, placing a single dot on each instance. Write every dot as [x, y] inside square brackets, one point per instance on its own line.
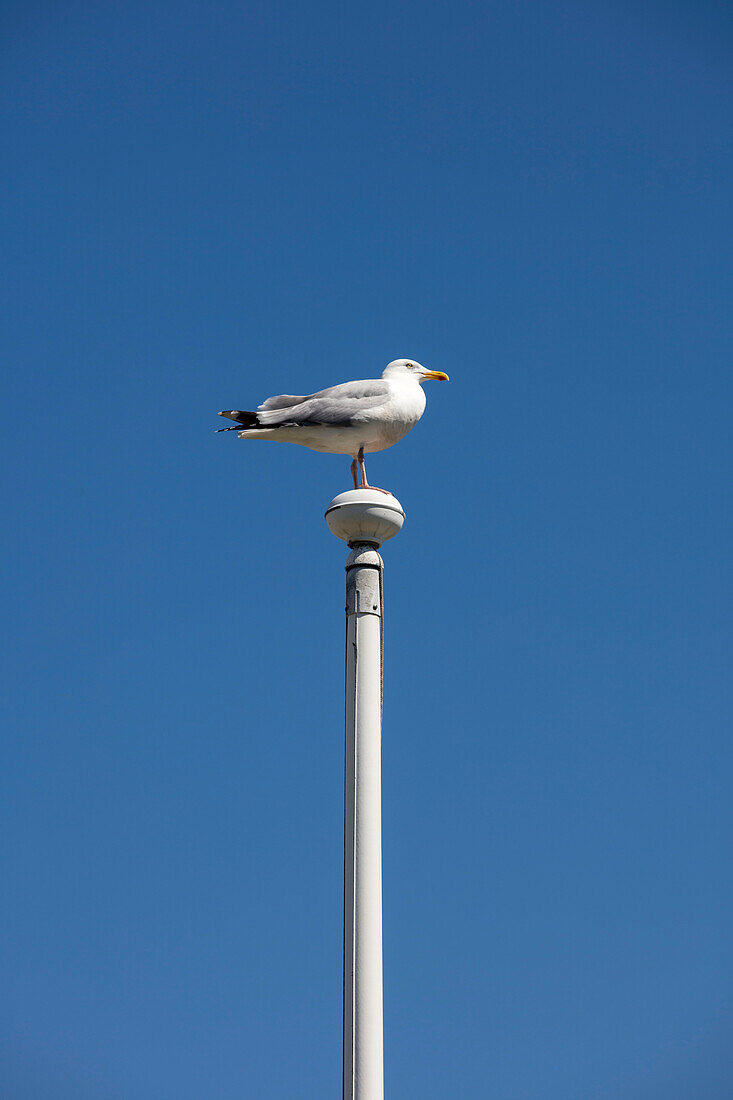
[355, 418]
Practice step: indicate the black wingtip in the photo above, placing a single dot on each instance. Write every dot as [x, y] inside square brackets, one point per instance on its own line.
[243, 418]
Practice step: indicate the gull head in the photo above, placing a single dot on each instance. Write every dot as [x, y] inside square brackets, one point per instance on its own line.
[410, 368]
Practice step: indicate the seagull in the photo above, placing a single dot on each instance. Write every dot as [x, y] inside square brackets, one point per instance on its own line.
[354, 418]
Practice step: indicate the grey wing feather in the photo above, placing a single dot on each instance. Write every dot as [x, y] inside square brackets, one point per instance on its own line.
[285, 401]
[338, 406]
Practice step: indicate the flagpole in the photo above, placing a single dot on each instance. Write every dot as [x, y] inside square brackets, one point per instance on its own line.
[364, 518]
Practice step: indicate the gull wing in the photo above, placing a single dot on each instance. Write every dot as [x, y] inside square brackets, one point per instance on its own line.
[285, 401]
[339, 406]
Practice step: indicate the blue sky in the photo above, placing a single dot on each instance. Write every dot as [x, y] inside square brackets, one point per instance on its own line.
[207, 204]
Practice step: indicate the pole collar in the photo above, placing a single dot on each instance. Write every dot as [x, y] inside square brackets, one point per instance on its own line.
[364, 556]
[364, 584]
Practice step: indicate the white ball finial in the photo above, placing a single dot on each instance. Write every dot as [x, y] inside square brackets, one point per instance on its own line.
[365, 516]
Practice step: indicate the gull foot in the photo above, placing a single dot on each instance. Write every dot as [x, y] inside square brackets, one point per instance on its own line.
[376, 489]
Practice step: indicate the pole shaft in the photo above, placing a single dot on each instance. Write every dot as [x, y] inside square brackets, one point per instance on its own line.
[363, 1023]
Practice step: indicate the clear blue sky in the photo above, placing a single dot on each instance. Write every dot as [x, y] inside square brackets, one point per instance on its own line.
[205, 204]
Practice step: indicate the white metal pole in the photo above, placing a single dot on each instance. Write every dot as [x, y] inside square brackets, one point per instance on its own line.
[364, 519]
[363, 1028]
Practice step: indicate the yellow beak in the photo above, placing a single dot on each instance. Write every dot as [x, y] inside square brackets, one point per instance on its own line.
[438, 375]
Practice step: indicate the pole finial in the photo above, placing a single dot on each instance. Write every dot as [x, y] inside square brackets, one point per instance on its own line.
[365, 516]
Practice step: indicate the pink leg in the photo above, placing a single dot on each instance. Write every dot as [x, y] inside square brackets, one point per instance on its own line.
[364, 483]
[353, 474]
